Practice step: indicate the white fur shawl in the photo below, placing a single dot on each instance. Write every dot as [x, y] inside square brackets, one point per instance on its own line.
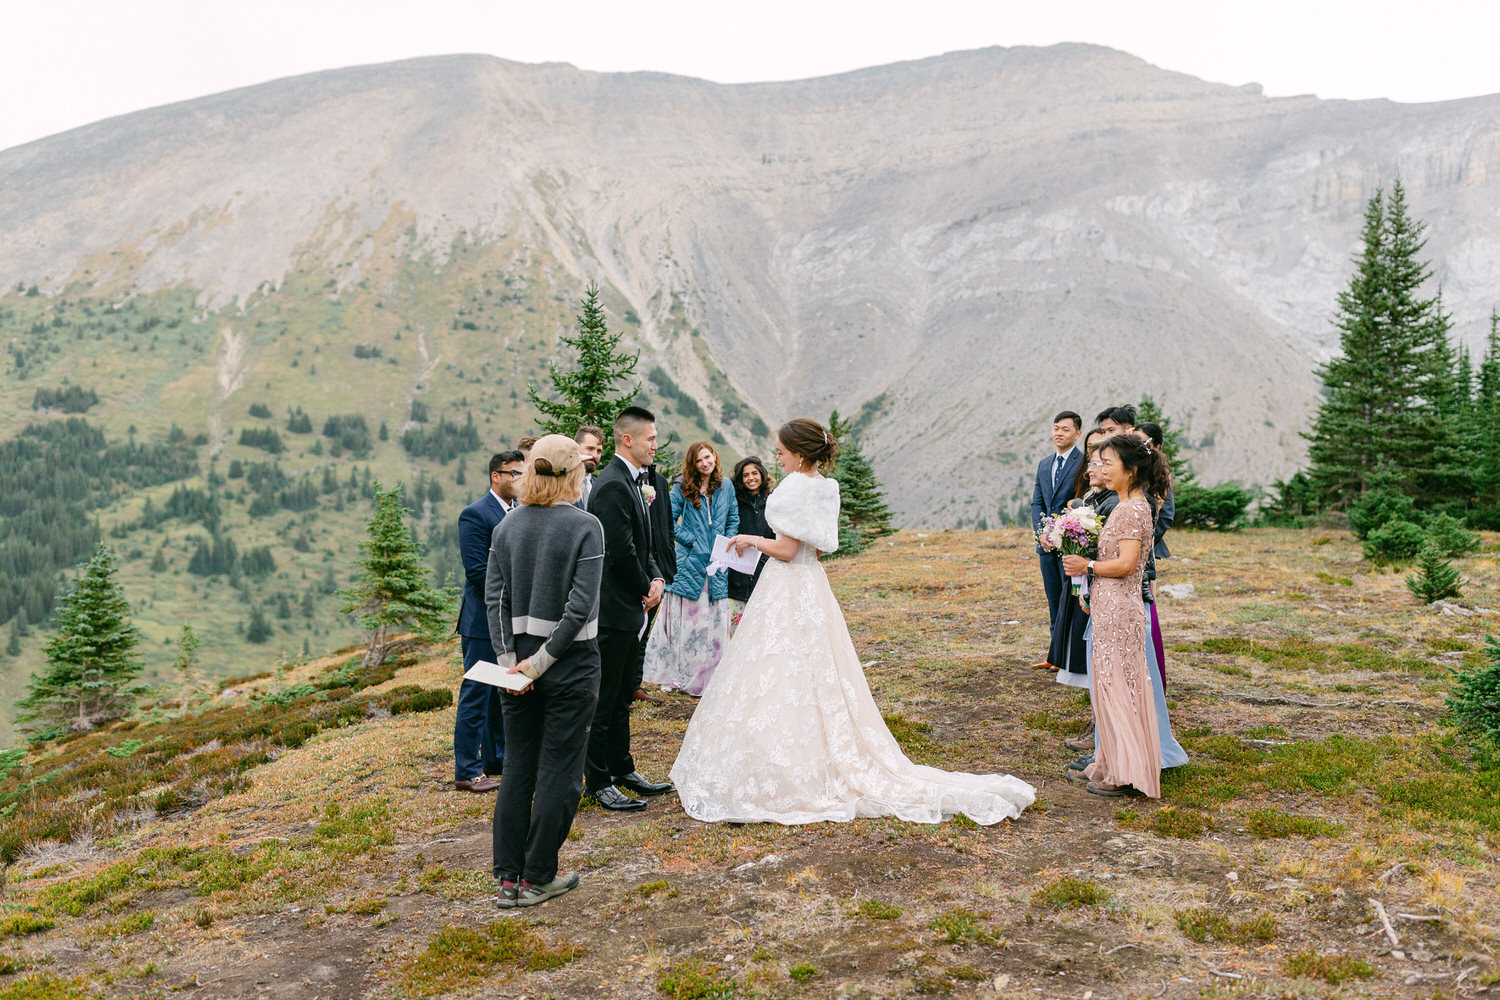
[806, 509]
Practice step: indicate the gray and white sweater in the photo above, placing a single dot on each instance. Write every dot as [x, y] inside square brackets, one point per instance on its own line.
[543, 580]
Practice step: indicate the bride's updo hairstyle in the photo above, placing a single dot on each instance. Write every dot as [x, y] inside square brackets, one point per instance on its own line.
[1147, 466]
[807, 439]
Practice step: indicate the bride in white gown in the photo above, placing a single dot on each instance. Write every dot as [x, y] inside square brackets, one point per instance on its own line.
[787, 730]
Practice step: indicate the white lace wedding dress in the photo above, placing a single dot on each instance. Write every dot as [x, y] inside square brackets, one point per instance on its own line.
[787, 730]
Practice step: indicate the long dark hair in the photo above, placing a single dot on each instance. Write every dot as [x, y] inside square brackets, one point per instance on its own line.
[737, 477]
[807, 439]
[694, 484]
[1081, 484]
[1147, 466]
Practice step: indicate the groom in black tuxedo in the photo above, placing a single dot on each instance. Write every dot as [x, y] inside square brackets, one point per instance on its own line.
[1055, 476]
[632, 585]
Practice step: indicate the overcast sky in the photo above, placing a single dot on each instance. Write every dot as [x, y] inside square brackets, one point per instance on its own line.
[65, 63]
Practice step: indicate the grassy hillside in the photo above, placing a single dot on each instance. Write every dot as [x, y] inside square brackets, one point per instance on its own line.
[290, 837]
[424, 346]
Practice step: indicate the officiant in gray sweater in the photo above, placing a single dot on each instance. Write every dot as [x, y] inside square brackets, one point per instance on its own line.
[541, 595]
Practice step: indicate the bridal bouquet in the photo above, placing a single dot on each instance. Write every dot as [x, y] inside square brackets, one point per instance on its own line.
[1074, 532]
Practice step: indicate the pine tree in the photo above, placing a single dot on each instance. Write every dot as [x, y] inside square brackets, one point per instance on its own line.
[860, 497]
[1435, 579]
[591, 391]
[91, 658]
[13, 645]
[186, 666]
[259, 629]
[1149, 412]
[391, 593]
[1484, 431]
[1386, 393]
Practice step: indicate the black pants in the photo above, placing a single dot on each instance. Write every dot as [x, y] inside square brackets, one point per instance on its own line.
[546, 738]
[609, 737]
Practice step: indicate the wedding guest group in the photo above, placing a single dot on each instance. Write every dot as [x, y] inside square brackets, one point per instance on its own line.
[752, 485]
[693, 622]
[478, 728]
[542, 593]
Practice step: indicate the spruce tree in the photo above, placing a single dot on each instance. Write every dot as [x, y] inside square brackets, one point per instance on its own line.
[186, 666]
[860, 497]
[391, 593]
[91, 661]
[13, 645]
[1387, 394]
[259, 629]
[1148, 412]
[597, 387]
[1435, 579]
[1484, 433]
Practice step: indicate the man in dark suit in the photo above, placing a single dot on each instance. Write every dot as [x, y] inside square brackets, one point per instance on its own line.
[590, 440]
[1055, 476]
[632, 585]
[478, 731]
[664, 551]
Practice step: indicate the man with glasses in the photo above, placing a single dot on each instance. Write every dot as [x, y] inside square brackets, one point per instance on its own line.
[478, 731]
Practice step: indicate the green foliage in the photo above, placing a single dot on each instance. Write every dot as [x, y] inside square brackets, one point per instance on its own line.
[959, 925]
[802, 972]
[43, 986]
[1205, 925]
[1296, 500]
[1185, 824]
[1474, 699]
[597, 387]
[1384, 500]
[410, 698]
[1266, 823]
[91, 655]
[1436, 579]
[264, 438]
[359, 831]
[1220, 508]
[68, 399]
[692, 979]
[443, 441]
[877, 909]
[54, 473]
[21, 924]
[298, 422]
[1069, 893]
[1148, 412]
[861, 500]
[1389, 397]
[392, 592]
[458, 957]
[348, 432]
[1332, 969]
[1394, 541]
[1448, 535]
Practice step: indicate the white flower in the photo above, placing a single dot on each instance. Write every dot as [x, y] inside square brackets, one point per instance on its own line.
[648, 494]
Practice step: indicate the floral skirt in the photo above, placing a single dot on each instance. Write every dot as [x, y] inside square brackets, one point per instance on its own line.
[687, 641]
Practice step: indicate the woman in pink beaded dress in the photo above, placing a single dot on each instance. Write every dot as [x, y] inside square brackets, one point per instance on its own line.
[1128, 749]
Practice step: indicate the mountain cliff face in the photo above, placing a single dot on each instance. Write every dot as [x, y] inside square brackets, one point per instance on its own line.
[951, 249]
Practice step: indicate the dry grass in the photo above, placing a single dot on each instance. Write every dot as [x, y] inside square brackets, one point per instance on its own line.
[1306, 686]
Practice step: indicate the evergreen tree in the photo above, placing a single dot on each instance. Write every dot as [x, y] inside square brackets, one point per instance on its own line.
[1484, 431]
[591, 391]
[91, 658]
[860, 497]
[186, 666]
[392, 593]
[259, 629]
[13, 645]
[1435, 579]
[1171, 440]
[1387, 394]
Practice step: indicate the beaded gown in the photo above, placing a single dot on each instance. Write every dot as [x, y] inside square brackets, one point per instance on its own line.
[788, 731]
[1127, 745]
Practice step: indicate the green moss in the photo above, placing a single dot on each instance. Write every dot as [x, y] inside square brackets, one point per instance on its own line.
[43, 986]
[1272, 823]
[1069, 893]
[456, 958]
[21, 924]
[692, 979]
[1206, 925]
[1186, 824]
[876, 909]
[1332, 969]
[960, 925]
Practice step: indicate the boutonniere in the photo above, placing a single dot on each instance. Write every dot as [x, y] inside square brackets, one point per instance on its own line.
[648, 494]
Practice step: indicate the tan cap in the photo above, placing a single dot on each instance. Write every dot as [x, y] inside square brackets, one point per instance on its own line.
[555, 455]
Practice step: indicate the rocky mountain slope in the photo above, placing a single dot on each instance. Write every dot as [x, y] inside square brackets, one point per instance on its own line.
[952, 248]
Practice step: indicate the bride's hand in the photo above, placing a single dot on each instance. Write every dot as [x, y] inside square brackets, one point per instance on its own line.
[742, 542]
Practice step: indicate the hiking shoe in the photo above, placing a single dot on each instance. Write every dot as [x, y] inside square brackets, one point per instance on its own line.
[509, 892]
[534, 895]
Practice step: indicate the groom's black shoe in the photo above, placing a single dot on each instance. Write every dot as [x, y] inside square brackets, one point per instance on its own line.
[638, 784]
[610, 797]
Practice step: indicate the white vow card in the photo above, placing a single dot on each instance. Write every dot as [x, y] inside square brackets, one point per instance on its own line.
[495, 675]
[723, 557]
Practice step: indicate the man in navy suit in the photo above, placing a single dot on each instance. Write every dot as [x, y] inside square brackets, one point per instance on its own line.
[478, 732]
[590, 441]
[1055, 476]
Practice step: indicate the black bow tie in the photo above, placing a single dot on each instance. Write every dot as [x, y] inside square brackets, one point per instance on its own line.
[641, 479]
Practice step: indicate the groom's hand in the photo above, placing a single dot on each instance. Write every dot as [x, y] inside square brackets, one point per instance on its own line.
[653, 596]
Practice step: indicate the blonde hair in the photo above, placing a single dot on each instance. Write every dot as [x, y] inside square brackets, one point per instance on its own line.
[539, 489]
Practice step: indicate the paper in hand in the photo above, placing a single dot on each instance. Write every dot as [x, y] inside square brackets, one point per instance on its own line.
[723, 557]
[495, 675]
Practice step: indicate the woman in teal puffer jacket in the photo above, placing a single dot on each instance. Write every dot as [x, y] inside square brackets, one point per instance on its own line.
[692, 627]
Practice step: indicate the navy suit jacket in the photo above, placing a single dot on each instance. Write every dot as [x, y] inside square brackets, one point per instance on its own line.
[475, 526]
[1047, 499]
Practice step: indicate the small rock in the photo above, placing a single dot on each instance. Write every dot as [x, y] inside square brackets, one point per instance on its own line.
[1232, 876]
[1179, 591]
[1421, 955]
[1399, 955]
[1002, 981]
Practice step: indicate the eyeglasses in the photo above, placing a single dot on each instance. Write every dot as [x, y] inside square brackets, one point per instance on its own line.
[506, 472]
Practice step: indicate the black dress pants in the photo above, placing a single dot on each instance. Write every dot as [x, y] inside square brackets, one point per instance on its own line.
[609, 737]
[546, 739]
